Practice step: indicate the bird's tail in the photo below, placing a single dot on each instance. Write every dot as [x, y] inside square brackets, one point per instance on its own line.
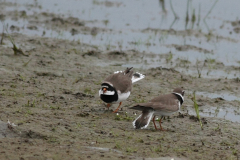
[143, 120]
[137, 76]
[128, 70]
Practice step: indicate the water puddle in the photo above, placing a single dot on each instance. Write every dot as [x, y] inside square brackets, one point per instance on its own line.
[104, 149]
[225, 112]
[230, 113]
[145, 26]
[165, 158]
[212, 73]
[147, 63]
[225, 96]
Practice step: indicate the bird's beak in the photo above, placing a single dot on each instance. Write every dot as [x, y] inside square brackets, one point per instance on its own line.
[104, 90]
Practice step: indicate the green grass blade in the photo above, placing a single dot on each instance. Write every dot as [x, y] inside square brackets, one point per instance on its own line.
[196, 109]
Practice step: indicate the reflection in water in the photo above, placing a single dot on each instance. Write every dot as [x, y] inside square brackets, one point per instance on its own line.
[225, 96]
[174, 13]
[204, 19]
[104, 149]
[187, 16]
[162, 4]
[225, 112]
[125, 24]
[192, 14]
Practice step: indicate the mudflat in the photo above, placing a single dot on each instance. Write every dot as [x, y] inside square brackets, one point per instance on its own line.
[50, 92]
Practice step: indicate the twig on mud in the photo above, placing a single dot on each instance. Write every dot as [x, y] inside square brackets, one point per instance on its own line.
[25, 64]
[196, 109]
[1, 42]
[199, 70]
[16, 50]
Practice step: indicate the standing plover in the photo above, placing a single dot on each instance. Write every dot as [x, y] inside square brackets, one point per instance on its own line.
[163, 105]
[117, 87]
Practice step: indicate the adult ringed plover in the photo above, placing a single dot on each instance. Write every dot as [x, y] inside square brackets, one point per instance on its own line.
[163, 105]
[117, 87]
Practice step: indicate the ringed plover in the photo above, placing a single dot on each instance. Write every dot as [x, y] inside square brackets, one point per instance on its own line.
[117, 87]
[163, 105]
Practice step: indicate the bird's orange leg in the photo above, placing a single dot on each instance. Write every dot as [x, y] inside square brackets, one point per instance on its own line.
[160, 123]
[154, 123]
[108, 105]
[118, 107]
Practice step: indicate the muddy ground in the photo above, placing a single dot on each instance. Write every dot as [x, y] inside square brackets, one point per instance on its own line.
[51, 94]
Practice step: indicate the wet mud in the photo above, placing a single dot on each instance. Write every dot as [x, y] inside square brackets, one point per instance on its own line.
[51, 94]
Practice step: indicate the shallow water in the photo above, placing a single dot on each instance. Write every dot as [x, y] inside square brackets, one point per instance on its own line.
[104, 149]
[52, 94]
[225, 96]
[231, 113]
[226, 112]
[127, 20]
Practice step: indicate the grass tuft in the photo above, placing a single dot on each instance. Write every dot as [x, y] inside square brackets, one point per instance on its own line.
[197, 109]
[1, 42]
[199, 70]
[125, 117]
[16, 50]
[25, 64]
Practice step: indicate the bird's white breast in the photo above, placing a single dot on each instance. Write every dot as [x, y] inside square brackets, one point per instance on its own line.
[122, 96]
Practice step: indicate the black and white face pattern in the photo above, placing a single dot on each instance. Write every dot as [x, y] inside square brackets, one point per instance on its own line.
[180, 96]
[108, 93]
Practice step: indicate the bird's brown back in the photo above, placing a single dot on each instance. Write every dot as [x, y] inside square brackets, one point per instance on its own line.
[121, 81]
[166, 103]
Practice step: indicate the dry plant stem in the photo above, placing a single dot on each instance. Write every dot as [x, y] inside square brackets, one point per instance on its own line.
[204, 19]
[175, 15]
[25, 64]
[187, 17]
[199, 70]
[210, 10]
[2, 35]
[199, 16]
[16, 50]
[162, 3]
